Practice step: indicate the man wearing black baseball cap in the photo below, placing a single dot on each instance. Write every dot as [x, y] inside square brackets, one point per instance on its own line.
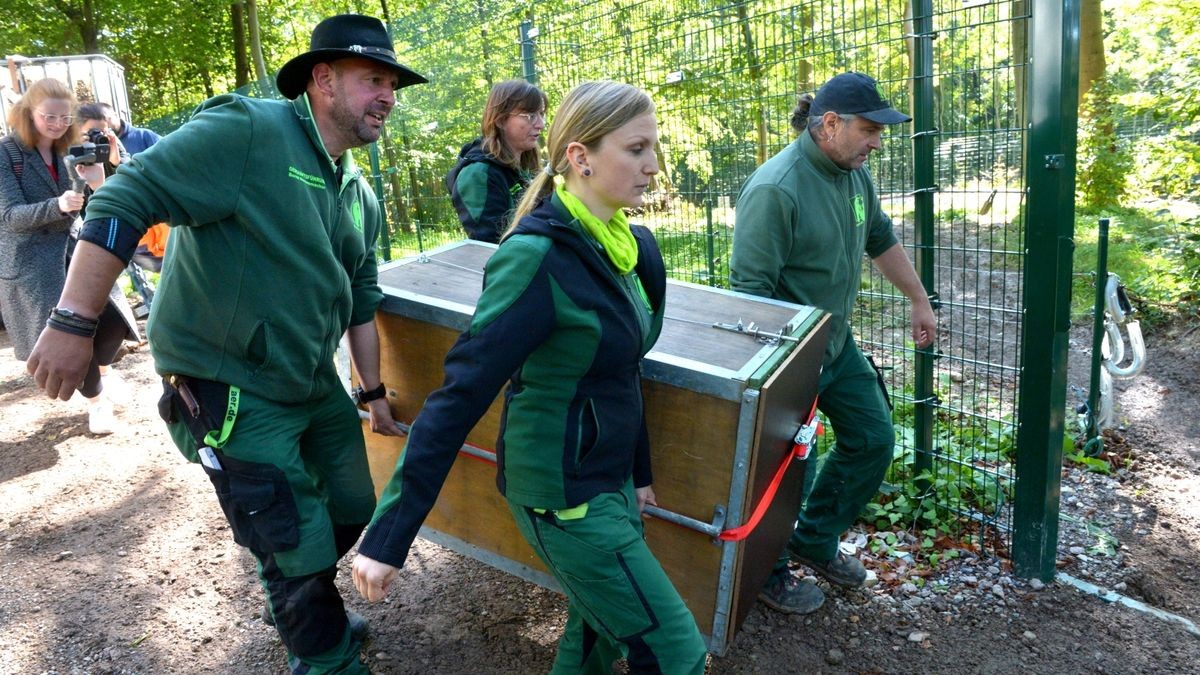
[804, 219]
[274, 264]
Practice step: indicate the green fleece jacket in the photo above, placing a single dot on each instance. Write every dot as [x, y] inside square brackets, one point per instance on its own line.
[568, 333]
[803, 224]
[271, 256]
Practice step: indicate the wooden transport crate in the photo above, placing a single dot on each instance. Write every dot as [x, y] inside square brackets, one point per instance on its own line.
[722, 405]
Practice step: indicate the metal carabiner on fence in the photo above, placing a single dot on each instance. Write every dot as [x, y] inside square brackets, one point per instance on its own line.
[1118, 309]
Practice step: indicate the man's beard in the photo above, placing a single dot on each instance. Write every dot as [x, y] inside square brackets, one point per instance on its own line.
[353, 127]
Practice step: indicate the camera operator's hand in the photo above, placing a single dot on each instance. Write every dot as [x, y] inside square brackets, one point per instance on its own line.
[70, 201]
[92, 173]
[114, 148]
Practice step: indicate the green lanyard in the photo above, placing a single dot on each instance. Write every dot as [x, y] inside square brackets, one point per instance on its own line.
[212, 439]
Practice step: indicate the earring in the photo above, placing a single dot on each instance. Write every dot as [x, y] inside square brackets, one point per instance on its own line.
[587, 172]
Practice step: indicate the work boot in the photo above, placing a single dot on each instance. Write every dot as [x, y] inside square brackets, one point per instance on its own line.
[297, 666]
[358, 623]
[358, 633]
[843, 570]
[785, 593]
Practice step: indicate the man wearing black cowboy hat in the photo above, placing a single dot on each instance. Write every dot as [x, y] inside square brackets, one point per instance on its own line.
[804, 219]
[274, 262]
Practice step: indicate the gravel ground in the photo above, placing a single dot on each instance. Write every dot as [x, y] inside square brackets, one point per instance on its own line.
[116, 560]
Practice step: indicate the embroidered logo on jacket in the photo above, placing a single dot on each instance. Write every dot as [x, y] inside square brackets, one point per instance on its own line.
[356, 216]
[306, 178]
[860, 209]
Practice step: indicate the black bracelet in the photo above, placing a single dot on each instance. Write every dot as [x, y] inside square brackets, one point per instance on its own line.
[362, 396]
[68, 321]
[73, 329]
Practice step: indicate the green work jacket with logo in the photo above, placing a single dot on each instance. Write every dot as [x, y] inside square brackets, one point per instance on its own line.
[803, 224]
[271, 256]
[567, 332]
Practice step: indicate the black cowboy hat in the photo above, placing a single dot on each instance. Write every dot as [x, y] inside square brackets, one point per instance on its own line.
[340, 37]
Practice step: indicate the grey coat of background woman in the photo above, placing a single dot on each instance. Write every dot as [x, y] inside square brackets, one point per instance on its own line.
[33, 244]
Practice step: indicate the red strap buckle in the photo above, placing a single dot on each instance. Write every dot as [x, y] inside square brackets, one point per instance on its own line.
[806, 438]
[801, 446]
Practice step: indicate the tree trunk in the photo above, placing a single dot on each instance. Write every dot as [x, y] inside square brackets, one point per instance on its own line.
[82, 18]
[1091, 45]
[399, 204]
[757, 110]
[206, 78]
[484, 44]
[260, 66]
[1019, 36]
[241, 58]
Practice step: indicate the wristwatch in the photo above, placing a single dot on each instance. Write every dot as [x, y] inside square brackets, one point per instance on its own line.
[362, 396]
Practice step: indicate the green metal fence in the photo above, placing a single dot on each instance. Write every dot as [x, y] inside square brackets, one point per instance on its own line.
[724, 77]
[980, 186]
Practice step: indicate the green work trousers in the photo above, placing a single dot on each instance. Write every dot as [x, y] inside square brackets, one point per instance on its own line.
[852, 399]
[621, 602]
[296, 489]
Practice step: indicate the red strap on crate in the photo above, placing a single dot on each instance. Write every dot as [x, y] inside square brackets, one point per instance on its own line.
[799, 451]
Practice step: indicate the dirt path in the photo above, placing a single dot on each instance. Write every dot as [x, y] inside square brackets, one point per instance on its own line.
[116, 560]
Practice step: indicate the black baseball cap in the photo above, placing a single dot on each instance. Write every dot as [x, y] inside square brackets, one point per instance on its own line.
[855, 94]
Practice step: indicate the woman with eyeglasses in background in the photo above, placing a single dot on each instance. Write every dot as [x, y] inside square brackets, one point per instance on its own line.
[37, 207]
[493, 170]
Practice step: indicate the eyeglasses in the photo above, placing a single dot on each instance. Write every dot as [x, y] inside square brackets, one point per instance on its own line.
[55, 119]
[532, 117]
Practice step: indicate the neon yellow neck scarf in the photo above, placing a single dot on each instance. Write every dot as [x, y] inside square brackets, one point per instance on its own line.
[614, 236]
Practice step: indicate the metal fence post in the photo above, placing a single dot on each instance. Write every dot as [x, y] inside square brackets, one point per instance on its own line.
[1049, 226]
[528, 63]
[385, 233]
[1095, 440]
[924, 137]
[709, 244]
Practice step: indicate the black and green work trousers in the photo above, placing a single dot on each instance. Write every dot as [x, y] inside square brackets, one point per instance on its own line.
[294, 484]
[852, 397]
[621, 602]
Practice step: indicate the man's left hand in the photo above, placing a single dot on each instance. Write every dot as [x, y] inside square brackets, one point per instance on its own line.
[381, 418]
[59, 362]
[924, 324]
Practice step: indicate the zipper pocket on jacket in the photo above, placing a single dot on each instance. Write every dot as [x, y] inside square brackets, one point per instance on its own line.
[585, 445]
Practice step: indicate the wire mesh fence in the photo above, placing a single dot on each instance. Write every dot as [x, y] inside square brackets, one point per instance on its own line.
[725, 78]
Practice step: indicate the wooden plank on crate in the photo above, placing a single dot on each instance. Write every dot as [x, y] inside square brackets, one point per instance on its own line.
[688, 328]
[469, 506]
[411, 356]
[692, 439]
[455, 274]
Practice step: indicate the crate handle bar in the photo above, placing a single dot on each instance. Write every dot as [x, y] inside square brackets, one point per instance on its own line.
[713, 529]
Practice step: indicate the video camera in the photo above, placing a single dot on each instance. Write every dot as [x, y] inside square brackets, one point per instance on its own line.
[93, 150]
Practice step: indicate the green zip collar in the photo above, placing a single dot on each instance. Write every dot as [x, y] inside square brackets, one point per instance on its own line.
[350, 171]
[818, 157]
